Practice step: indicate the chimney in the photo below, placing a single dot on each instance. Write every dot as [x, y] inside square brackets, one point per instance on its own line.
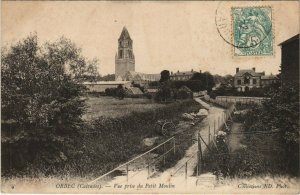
[253, 69]
[171, 72]
[177, 71]
[192, 70]
[200, 71]
[237, 70]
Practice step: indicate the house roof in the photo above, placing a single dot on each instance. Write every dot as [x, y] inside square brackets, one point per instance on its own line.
[134, 74]
[135, 90]
[289, 40]
[183, 73]
[269, 77]
[250, 71]
[106, 83]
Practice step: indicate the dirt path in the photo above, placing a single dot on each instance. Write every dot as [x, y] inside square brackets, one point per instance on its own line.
[214, 115]
[234, 140]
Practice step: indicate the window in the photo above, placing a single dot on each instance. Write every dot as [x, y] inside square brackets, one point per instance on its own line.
[121, 54]
[239, 82]
[130, 53]
[246, 80]
[254, 81]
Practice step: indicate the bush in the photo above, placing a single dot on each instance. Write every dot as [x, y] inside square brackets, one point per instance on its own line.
[111, 92]
[41, 103]
[181, 94]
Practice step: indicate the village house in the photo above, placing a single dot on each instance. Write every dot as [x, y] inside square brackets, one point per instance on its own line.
[140, 78]
[100, 86]
[244, 80]
[182, 76]
[266, 80]
[290, 60]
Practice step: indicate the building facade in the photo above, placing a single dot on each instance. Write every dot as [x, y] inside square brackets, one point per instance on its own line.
[124, 60]
[182, 76]
[290, 60]
[266, 80]
[245, 80]
[139, 77]
[100, 86]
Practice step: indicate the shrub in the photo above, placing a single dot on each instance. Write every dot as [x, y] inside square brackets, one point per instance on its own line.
[41, 103]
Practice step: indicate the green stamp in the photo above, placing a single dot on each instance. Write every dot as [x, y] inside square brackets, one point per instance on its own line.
[252, 31]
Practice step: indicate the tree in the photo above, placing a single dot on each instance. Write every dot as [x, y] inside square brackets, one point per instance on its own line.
[280, 115]
[206, 78]
[108, 77]
[41, 99]
[164, 76]
[120, 93]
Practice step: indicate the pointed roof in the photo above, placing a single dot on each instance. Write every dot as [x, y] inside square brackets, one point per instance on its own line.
[125, 34]
[250, 71]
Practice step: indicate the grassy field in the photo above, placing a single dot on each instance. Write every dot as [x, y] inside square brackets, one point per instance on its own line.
[112, 141]
[113, 108]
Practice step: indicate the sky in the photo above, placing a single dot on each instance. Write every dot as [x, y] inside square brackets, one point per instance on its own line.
[166, 35]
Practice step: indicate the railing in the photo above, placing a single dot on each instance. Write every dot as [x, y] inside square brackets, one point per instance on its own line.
[168, 146]
[125, 167]
[203, 144]
[243, 100]
[185, 165]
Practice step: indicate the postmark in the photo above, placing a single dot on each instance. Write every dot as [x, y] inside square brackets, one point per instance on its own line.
[252, 31]
[248, 29]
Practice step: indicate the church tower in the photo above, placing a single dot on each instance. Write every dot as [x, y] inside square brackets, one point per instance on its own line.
[124, 60]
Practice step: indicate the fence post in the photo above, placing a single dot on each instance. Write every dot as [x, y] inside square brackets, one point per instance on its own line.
[200, 154]
[164, 154]
[148, 170]
[208, 135]
[185, 170]
[127, 172]
[174, 145]
[214, 125]
[198, 159]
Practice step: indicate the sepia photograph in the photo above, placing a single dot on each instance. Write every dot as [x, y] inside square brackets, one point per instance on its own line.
[150, 97]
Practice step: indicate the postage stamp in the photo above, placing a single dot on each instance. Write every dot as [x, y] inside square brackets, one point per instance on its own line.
[252, 31]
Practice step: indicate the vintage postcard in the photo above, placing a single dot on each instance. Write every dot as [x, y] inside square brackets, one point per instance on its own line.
[150, 97]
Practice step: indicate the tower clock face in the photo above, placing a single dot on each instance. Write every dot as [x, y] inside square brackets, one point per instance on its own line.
[125, 43]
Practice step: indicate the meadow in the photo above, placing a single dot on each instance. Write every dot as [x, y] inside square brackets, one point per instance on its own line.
[113, 108]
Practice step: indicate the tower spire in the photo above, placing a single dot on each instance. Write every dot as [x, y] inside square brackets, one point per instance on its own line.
[124, 34]
[125, 58]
